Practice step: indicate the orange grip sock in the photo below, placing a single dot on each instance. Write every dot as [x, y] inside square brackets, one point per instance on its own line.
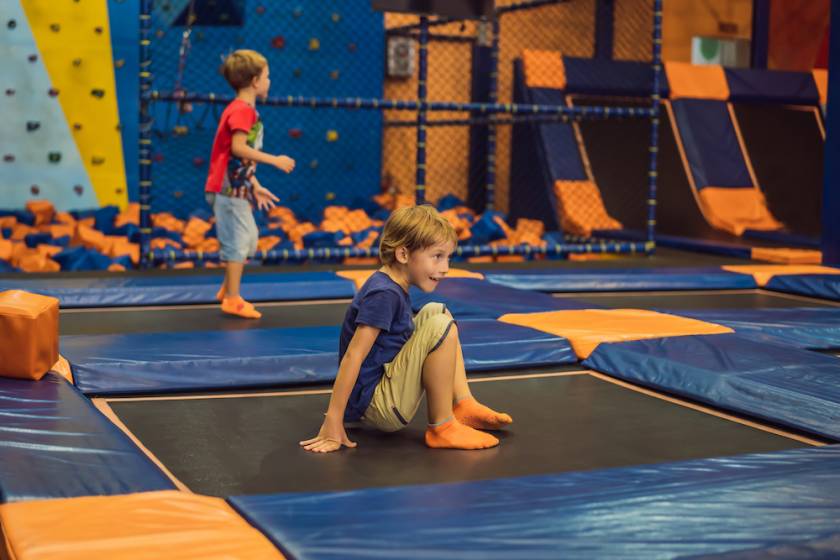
[239, 307]
[454, 435]
[472, 413]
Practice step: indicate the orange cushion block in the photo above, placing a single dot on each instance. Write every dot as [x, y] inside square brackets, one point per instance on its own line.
[735, 210]
[194, 231]
[786, 255]
[167, 524]
[706, 81]
[764, 272]
[29, 323]
[581, 208]
[6, 249]
[131, 215]
[588, 328]
[42, 209]
[544, 69]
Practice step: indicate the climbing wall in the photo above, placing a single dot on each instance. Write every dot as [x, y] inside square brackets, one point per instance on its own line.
[75, 43]
[315, 48]
[41, 158]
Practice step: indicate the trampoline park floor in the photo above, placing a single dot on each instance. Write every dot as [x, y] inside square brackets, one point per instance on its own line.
[564, 421]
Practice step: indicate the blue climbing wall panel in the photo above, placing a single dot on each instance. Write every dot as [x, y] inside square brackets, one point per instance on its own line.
[319, 48]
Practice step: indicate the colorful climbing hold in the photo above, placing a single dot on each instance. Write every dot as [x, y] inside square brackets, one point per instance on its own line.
[55, 27]
[54, 157]
[157, 158]
[198, 161]
[278, 42]
[313, 164]
[160, 33]
[119, 63]
[77, 62]
[178, 194]
[78, 189]
[351, 47]
[297, 12]
[32, 58]
[334, 75]
[10, 92]
[330, 196]
[77, 126]
[180, 130]
[336, 17]
[297, 72]
[98, 93]
[11, 24]
[8, 158]
[35, 190]
[97, 160]
[98, 30]
[53, 92]
[32, 126]
[260, 9]
[314, 44]
[332, 135]
[295, 132]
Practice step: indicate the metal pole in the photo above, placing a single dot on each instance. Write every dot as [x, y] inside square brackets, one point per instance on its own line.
[490, 188]
[145, 133]
[654, 125]
[422, 76]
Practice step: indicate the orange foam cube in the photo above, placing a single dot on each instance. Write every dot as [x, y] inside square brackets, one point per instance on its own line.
[29, 323]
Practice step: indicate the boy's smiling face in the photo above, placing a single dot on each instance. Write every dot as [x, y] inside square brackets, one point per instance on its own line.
[427, 267]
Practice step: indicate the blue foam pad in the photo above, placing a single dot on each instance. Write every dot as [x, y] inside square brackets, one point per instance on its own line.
[813, 328]
[614, 280]
[773, 86]
[558, 140]
[55, 444]
[652, 511]
[783, 238]
[826, 286]
[177, 289]
[768, 380]
[601, 76]
[711, 145]
[470, 297]
[125, 364]
[715, 247]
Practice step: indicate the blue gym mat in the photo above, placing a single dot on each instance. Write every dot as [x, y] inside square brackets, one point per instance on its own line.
[470, 298]
[177, 289]
[771, 381]
[825, 286]
[704, 506]
[124, 364]
[813, 328]
[614, 280]
[55, 444]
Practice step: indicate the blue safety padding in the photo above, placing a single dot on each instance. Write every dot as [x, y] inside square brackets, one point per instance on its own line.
[55, 444]
[470, 297]
[172, 290]
[782, 238]
[768, 380]
[602, 76]
[823, 547]
[813, 328]
[772, 86]
[617, 280]
[558, 139]
[653, 511]
[711, 145]
[124, 364]
[825, 286]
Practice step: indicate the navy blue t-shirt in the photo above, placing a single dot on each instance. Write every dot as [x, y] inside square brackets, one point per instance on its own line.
[381, 303]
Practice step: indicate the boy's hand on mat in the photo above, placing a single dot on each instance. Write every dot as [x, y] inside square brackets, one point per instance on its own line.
[284, 163]
[264, 198]
[330, 438]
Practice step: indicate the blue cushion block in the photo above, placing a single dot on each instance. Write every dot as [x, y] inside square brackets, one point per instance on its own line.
[169, 362]
[632, 279]
[105, 218]
[471, 297]
[81, 258]
[826, 286]
[772, 86]
[35, 239]
[669, 510]
[772, 381]
[191, 288]
[485, 229]
[449, 202]
[55, 444]
[812, 328]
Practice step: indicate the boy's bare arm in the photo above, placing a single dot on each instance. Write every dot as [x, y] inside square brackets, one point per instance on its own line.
[239, 147]
[332, 435]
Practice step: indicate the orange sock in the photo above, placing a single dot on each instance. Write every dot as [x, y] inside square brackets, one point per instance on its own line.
[239, 307]
[472, 413]
[454, 435]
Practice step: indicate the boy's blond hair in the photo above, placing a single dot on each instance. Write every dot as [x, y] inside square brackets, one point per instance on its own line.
[416, 228]
[242, 66]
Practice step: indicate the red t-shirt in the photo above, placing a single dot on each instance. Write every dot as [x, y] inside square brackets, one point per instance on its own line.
[238, 115]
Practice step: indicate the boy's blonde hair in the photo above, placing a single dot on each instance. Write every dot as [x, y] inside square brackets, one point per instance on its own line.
[242, 66]
[416, 228]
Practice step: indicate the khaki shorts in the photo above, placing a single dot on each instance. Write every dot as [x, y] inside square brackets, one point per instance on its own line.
[398, 394]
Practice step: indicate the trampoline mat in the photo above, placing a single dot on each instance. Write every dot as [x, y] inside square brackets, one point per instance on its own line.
[562, 422]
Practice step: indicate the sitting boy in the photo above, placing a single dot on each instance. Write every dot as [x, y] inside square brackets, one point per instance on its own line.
[387, 357]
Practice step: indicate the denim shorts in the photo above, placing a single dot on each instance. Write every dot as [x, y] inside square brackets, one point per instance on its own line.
[235, 227]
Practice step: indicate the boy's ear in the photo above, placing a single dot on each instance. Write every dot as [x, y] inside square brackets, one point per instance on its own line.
[401, 254]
